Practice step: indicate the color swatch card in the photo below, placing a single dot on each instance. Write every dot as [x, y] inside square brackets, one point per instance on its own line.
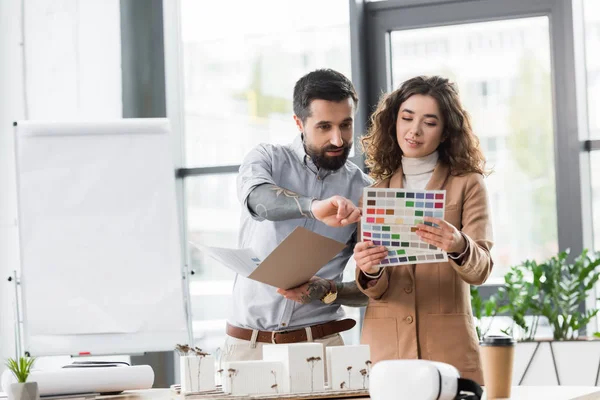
[390, 217]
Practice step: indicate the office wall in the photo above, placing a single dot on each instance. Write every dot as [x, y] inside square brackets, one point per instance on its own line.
[61, 60]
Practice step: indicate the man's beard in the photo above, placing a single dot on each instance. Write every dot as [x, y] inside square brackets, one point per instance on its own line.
[322, 160]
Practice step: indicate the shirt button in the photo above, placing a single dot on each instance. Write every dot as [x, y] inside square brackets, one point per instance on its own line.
[409, 319]
[283, 324]
[408, 289]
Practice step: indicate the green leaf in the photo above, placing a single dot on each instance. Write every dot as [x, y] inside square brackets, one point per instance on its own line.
[20, 368]
[490, 306]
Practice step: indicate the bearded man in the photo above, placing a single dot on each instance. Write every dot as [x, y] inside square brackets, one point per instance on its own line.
[309, 183]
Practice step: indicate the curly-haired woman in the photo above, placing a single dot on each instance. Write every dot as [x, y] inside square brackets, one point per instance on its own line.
[421, 138]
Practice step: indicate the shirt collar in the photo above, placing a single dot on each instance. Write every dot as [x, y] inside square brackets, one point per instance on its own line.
[298, 149]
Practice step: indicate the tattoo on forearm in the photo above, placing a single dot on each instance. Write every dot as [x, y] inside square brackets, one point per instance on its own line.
[274, 203]
[315, 290]
[350, 295]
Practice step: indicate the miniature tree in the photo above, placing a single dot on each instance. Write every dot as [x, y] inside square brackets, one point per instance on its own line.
[232, 374]
[312, 361]
[219, 354]
[368, 363]
[363, 372]
[183, 350]
[200, 354]
[349, 369]
[275, 386]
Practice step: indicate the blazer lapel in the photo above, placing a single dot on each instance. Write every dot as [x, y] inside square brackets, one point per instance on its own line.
[397, 179]
[439, 177]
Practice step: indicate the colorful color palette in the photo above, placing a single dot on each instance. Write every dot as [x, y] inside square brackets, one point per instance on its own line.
[390, 217]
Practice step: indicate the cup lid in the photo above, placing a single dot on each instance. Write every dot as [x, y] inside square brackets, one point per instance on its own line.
[497, 340]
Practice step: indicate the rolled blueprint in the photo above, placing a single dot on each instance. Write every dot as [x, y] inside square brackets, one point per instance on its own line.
[87, 380]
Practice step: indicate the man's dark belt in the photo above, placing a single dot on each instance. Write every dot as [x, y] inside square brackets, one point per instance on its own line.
[295, 336]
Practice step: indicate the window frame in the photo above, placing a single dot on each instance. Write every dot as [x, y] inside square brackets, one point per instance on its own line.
[568, 65]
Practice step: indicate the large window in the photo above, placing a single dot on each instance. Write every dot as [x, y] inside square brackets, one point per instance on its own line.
[595, 167]
[240, 68]
[212, 220]
[239, 71]
[502, 69]
[592, 43]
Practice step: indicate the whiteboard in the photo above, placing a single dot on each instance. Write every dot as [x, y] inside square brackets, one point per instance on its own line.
[99, 238]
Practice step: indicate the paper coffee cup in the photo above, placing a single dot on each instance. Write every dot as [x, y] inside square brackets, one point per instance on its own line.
[497, 355]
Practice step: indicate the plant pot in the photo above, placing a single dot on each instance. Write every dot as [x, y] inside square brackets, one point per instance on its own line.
[577, 362]
[23, 391]
[551, 363]
[534, 365]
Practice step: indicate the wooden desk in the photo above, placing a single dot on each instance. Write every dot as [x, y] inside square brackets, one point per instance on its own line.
[518, 393]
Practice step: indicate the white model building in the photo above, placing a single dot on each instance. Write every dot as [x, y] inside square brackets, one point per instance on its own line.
[253, 377]
[197, 373]
[303, 363]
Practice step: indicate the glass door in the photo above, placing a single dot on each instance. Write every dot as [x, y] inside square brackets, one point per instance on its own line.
[502, 69]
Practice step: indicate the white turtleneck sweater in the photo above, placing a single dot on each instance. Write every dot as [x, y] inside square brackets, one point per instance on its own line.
[418, 171]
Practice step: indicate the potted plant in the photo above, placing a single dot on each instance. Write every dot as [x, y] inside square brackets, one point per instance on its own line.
[552, 291]
[511, 299]
[22, 390]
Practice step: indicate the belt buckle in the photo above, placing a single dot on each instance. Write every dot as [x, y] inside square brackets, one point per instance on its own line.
[273, 333]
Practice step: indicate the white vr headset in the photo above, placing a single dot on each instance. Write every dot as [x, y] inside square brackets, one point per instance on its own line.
[420, 380]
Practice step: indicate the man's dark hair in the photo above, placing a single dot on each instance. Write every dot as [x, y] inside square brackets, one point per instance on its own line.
[322, 84]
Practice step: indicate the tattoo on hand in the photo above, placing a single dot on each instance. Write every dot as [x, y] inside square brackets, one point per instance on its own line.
[315, 290]
[350, 295]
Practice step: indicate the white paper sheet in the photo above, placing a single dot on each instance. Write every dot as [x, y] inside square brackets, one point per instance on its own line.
[240, 261]
[84, 380]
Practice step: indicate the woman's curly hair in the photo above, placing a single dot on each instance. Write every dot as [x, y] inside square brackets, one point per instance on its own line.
[459, 148]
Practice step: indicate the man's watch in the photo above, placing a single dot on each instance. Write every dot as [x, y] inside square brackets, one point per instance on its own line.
[332, 294]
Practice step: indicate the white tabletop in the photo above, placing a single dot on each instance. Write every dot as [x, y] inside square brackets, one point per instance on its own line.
[518, 393]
